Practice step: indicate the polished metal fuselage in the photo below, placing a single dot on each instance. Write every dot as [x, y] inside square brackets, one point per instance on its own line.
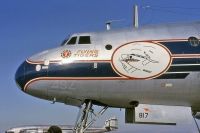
[117, 87]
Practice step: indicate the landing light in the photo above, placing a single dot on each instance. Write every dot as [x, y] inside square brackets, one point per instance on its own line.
[38, 68]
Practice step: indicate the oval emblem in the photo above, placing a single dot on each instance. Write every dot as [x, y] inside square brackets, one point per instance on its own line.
[66, 54]
[141, 60]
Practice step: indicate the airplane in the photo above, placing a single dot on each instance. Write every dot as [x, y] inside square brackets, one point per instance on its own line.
[110, 125]
[153, 65]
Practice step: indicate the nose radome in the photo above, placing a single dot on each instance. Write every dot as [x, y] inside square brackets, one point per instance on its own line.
[27, 72]
[20, 75]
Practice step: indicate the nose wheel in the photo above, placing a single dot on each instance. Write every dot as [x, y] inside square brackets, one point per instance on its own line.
[83, 121]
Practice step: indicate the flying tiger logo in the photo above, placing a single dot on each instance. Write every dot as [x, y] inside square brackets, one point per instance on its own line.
[66, 54]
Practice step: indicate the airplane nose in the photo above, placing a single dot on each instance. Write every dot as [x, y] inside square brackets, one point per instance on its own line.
[27, 72]
[20, 75]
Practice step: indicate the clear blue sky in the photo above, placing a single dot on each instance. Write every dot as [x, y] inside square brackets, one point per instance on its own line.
[30, 26]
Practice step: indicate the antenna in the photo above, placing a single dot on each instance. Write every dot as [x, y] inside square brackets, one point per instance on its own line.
[136, 17]
[108, 23]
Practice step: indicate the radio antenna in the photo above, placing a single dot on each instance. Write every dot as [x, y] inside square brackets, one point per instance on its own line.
[108, 23]
[136, 17]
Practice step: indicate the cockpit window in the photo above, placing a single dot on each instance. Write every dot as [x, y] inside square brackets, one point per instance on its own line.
[84, 40]
[72, 41]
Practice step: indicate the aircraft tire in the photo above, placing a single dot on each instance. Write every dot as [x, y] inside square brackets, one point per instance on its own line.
[54, 129]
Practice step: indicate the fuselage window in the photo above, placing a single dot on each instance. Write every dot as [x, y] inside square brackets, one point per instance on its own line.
[84, 40]
[108, 47]
[193, 41]
[72, 41]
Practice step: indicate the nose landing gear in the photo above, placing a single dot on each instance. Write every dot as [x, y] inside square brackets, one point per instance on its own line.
[83, 121]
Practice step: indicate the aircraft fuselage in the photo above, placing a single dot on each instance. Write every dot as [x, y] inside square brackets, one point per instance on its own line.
[150, 65]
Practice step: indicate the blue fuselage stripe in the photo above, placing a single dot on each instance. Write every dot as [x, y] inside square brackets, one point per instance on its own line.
[186, 61]
[181, 47]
